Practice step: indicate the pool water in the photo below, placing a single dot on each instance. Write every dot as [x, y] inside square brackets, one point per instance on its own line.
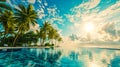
[59, 57]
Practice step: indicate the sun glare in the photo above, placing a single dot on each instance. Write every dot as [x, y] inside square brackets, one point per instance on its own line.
[89, 27]
[93, 65]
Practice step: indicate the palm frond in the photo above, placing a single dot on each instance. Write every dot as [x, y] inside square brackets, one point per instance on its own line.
[5, 6]
[17, 10]
[25, 16]
[2, 0]
[30, 8]
[22, 8]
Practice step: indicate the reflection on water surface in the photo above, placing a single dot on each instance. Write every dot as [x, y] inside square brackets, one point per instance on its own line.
[59, 57]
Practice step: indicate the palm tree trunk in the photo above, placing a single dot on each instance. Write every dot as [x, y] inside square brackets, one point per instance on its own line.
[16, 38]
[17, 35]
[43, 42]
[4, 39]
[40, 41]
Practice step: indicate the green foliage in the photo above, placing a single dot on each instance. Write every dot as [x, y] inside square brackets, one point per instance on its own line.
[48, 44]
[28, 38]
[48, 33]
[7, 40]
[17, 27]
[4, 6]
[7, 20]
[25, 16]
[52, 44]
[2, 0]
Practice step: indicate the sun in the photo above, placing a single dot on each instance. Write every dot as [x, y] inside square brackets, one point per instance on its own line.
[89, 27]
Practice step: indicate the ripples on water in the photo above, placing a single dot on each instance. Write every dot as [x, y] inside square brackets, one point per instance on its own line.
[58, 57]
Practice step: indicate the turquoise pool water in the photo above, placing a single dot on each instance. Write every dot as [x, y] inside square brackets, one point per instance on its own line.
[58, 57]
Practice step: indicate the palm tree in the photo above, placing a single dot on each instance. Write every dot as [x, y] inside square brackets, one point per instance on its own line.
[44, 31]
[59, 39]
[41, 34]
[27, 38]
[47, 32]
[1, 33]
[6, 19]
[25, 16]
[56, 36]
[51, 34]
[4, 6]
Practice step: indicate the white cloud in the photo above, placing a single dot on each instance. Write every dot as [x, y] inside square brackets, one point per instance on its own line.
[41, 13]
[52, 11]
[69, 43]
[45, 3]
[34, 28]
[83, 14]
[87, 5]
[31, 1]
[90, 4]
[50, 14]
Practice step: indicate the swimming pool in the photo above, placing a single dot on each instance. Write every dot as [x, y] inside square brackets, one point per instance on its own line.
[59, 57]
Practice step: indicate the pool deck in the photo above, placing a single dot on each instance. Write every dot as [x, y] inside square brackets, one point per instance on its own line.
[22, 47]
[80, 46]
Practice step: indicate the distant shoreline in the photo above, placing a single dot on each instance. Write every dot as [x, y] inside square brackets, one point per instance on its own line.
[102, 47]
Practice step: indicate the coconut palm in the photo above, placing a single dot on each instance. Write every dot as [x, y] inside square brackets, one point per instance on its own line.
[41, 35]
[56, 36]
[27, 38]
[51, 34]
[46, 27]
[25, 16]
[47, 32]
[1, 33]
[59, 39]
[4, 6]
[44, 31]
[7, 21]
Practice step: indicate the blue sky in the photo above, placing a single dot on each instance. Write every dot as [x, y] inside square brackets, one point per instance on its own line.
[72, 16]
